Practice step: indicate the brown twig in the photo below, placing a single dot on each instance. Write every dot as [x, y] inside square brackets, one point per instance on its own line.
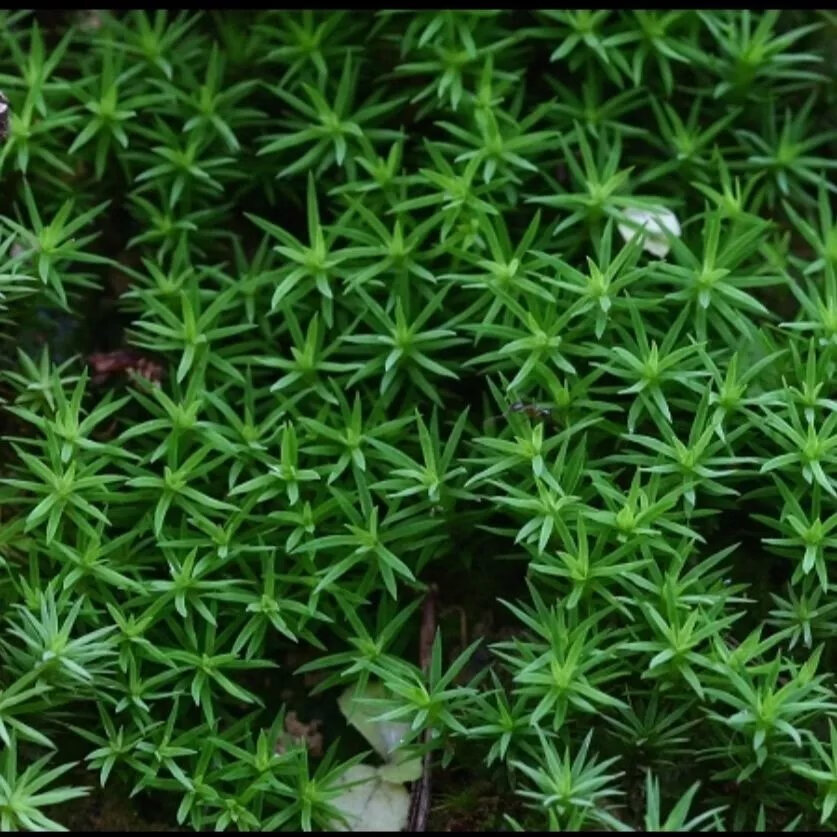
[428, 627]
[420, 795]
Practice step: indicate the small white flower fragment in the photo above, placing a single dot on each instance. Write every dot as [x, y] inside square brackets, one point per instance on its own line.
[4, 116]
[655, 221]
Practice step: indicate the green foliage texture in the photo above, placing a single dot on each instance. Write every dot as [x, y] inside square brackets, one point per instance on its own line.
[352, 242]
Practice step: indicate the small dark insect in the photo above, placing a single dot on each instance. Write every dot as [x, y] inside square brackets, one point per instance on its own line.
[5, 110]
[534, 411]
[107, 364]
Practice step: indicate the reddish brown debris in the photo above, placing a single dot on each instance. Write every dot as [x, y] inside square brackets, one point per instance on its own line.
[121, 361]
[297, 731]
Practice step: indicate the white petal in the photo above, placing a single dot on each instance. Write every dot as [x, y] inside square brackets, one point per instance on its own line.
[655, 221]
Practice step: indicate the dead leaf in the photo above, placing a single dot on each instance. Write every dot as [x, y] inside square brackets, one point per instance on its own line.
[372, 805]
[384, 736]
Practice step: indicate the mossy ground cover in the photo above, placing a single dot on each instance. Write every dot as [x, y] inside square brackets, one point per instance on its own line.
[475, 370]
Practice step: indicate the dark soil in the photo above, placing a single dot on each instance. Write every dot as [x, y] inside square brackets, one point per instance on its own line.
[107, 809]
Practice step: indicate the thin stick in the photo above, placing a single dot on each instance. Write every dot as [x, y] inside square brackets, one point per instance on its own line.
[420, 795]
